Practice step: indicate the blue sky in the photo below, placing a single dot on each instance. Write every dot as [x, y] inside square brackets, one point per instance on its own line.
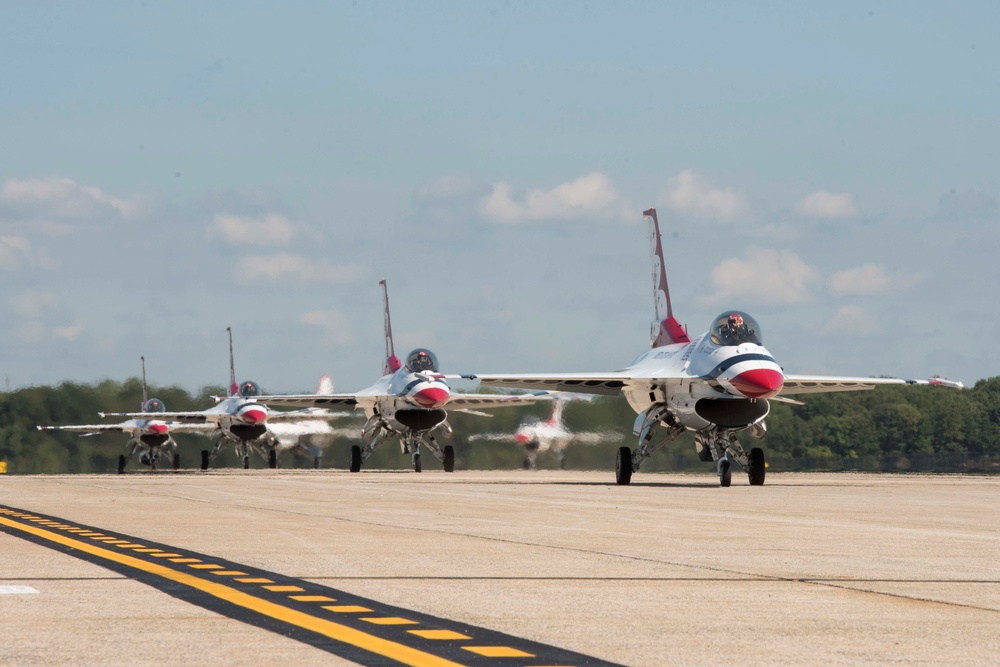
[171, 170]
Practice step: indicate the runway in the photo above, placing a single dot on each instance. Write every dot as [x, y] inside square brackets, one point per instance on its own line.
[808, 569]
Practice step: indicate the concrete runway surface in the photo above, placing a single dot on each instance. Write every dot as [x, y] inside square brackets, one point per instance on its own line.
[808, 569]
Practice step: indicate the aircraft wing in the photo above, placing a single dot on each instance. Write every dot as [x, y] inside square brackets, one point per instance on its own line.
[315, 401]
[182, 417]
[459, 401]
[88, 429]
[814, 384]
[609, 384]
[274, 417]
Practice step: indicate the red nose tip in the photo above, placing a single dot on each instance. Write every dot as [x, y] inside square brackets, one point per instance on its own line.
[522, 438]
[254, 416]
[759, 382]
[431, 397]
[158, 429]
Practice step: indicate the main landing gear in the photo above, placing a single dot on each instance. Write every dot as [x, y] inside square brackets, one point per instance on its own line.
[375, 432]
[714, 444]
[646, 426]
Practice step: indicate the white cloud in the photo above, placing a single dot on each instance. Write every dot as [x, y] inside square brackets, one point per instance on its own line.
[765, 275]
[15, 251]
[272, 229]
[54, 205]
[870, 279]
[588, 197]
[32, 305]
[853, 320]
[68, 332]
[333, 322]
[826, 206]
[285, 267]
[692, 194]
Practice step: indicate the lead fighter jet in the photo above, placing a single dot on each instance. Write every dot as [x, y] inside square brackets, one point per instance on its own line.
[716, 385]
[409, 401]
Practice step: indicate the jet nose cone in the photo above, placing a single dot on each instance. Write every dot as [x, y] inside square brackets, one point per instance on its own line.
[158, 428]
[253, 415]
[431, 397]
[522, 438]
[759, 382]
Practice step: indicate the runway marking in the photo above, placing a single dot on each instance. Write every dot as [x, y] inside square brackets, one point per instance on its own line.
[387, 635]
[17, 590]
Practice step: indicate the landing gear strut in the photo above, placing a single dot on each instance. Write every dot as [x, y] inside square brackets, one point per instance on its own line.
[646, 426]
[725, 449]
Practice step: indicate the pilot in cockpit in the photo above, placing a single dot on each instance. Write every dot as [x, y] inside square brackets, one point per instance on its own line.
[249, 390]
[420, 360]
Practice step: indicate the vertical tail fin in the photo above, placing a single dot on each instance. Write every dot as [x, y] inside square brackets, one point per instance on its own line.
[665, 329]
[233, 387]
[391, 363]
[325, 386]
[145, 396]
[558, 404]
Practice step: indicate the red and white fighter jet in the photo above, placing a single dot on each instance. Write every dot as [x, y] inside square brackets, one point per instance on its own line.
[538, 436]
[409, 401]
[716, 385]
[150, 435]
[238, 419]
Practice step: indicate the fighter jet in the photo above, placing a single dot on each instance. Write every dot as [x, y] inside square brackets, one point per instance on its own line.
[150, 435]
[717, 384]
[238, 418]
[538, 436]
[311, 438]
[409, 401]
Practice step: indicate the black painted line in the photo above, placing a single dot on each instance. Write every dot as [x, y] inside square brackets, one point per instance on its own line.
[261, 598]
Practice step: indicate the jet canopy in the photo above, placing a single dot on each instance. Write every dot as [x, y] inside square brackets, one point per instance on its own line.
[421, 360]
[249, 389]
[735, 327]
[154, 405]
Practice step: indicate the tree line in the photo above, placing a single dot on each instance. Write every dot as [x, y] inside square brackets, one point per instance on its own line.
[904, 428]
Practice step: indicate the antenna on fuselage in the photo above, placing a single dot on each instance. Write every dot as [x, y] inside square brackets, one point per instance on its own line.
[142, 360]
[233, 387]
[666, 329]
[391, 363]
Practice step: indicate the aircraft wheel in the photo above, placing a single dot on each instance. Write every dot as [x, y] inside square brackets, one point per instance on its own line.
[449, 458]
[757, 467]
[204, 459]
[272, 459]
[527, 464]
[416, 463]
[725, 473]
[177, 461]
[316, 462]
[355, 458]
[121, 463]
[246, 462]
[623, 466]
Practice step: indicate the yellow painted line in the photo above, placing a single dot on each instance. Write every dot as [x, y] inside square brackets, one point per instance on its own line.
[498, 652]
[285, 589]
[228, 573]
[255, 580]
[129, 545]
[78, 530]
[312, 598]
[389, 620]
[185, 560]
[115, 541]
[149, 550]
[336, 631]
[107, 540]
[165, 555]
[203, 566]
[348, 609]
[438, 634]
[91, 533]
